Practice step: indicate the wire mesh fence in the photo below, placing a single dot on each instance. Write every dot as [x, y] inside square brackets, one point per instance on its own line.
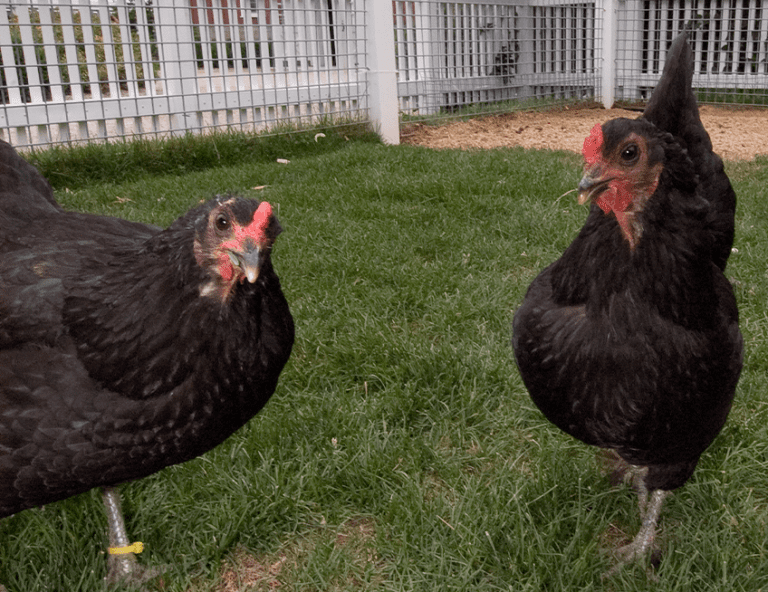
[471, 56]
[74, 71]
[92, 70]
[466, 57]
[729, 41]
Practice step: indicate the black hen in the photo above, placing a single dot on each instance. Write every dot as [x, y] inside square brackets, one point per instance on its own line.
[125, 348]
[630, 341]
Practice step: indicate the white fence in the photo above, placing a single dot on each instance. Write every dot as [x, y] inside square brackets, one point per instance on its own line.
[452, 54]
[79, 70]
[729, 40]
[85, 70]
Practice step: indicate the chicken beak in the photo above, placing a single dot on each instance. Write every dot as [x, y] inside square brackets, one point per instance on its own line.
[249, 261]
[592, 184]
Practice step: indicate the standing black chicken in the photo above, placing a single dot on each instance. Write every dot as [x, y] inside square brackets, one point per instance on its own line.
[630, 341]
[125, 348]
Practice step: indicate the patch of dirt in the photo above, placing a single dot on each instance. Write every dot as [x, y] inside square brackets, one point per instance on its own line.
[737, 134]
[245, 572]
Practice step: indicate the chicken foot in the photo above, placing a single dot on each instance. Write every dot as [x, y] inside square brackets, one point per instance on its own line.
[650, 509]
[122, 566]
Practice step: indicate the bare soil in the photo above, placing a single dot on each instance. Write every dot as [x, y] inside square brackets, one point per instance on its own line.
[737, 134]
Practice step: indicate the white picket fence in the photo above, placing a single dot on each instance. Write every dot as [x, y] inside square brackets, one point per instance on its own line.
[95, 70]
[461, 52]
[452, 54]
[729, 41]
[77, 70]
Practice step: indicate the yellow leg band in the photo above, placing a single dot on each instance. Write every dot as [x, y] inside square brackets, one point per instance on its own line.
[134, 548]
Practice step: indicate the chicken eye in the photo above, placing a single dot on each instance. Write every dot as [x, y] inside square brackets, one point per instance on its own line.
[222, 222]
[630, 153]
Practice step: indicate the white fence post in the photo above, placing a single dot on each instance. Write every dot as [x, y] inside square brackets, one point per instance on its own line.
[608, 51]
[177, 50]
[382, 72]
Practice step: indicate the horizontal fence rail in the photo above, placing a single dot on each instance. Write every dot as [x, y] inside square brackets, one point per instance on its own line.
[93, 70]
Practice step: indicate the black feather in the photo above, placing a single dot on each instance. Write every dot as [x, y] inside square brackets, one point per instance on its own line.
[638, 349]
[112, 363]
[673, 109]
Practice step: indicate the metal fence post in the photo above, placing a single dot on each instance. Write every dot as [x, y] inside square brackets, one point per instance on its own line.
[382, 73]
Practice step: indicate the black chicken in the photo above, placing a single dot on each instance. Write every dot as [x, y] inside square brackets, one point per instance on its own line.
[125, 348]
[630, 341]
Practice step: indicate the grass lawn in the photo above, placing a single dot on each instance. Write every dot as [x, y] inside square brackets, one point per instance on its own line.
[401, 450]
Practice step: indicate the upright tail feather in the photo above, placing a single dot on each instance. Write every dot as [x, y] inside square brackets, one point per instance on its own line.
[673, 109]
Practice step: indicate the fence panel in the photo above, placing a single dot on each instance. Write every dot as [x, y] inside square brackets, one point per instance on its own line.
[78, 71]
[729, 41]
[455, 54]
[81, 70]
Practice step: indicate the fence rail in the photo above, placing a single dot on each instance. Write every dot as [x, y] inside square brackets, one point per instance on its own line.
[85, 70]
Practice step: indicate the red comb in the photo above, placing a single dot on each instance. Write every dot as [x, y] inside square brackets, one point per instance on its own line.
[593, 144]
[256, 230]
[261, 217]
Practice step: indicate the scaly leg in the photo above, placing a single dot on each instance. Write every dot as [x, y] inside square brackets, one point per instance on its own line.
[121, 566]
[650, 508]
[642, 491]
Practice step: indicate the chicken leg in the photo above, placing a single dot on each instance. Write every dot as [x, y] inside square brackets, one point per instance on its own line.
[649, 504]
[650, 509]
[121, 563]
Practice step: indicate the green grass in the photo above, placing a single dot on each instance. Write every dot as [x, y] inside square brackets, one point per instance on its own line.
[401, 451]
